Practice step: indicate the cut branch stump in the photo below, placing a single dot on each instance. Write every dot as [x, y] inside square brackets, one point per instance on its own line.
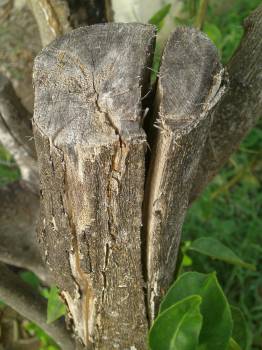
[111, 259]
[91, 150]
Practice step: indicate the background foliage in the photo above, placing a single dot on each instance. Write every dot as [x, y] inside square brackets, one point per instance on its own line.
[230, 208]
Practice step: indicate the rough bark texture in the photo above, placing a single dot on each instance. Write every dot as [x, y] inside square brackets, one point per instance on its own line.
[240, 107]
[87, 126]
[16, 132]
[189, 85]
[52, 17]
[20, 296]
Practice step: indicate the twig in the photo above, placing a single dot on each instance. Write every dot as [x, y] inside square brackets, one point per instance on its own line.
[200, 19]
[15, 128]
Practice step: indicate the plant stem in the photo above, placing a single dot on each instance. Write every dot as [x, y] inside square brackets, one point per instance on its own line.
[200, 19]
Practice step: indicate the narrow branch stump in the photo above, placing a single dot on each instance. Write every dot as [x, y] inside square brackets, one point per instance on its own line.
[91, 149]
[189, 86]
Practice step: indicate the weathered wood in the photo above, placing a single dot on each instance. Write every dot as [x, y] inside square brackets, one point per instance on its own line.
[91, 148]
[239, 109]
[189, 85]
[16, 132]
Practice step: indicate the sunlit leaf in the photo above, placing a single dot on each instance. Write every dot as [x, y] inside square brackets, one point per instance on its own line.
[187, 261]
[158, 18]
[213, 32]
[233, 345]
[55, 308]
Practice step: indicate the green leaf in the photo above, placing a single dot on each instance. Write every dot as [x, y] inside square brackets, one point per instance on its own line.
[214, 33]
[187, 261]
[216, 250]
[240, 328]
[178, 327]
[233, 345]
[30, 278]
[217, 321]
[158, 18]
[55, 308]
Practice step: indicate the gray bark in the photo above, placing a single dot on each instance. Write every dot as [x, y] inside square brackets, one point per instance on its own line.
[240, 107]
[16, 132]
[19, 211]
[188, 87]
[91, 148]
[19, 295]
[91, 151]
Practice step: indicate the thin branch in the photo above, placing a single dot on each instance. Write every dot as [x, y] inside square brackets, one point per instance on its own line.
[16, 132]
[240, 107]
[18, 295]
[52, 17]
[19, 212]
[200, 19]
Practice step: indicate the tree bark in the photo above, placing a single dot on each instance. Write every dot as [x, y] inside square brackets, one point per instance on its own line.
[189, 85]
[91, 149]
[240, 107]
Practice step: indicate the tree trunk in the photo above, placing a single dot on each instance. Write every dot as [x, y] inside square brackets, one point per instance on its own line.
[91, 149]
